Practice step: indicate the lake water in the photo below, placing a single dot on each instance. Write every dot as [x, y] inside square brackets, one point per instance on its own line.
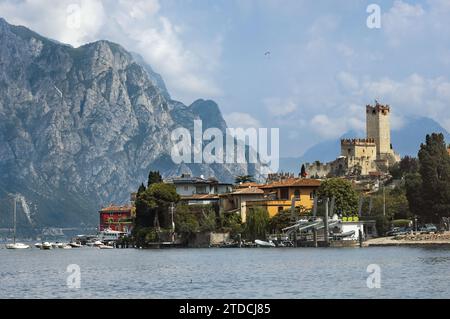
[226, 273]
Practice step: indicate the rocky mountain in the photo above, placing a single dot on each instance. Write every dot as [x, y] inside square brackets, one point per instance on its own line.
[82, 127]
[406, 141]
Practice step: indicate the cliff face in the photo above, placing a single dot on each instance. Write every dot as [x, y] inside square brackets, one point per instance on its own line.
[82, 127]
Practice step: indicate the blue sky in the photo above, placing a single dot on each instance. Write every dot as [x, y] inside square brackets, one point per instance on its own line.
[325, 64]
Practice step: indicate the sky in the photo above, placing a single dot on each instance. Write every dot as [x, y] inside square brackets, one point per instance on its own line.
[306, 67]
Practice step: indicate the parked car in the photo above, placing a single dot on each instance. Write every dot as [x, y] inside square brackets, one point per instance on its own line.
[428, 228]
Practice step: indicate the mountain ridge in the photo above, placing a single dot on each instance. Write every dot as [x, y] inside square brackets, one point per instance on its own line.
[81, 127]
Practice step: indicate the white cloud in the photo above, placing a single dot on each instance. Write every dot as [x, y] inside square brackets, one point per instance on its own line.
[55, 18]
[403, 22]
[348, 81]
[333, 127]
[414, 95]
[241, 120]
[280, 107]
[139, 26]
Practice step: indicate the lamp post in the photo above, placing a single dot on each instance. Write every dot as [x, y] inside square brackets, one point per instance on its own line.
[172, 209]
[415, 222]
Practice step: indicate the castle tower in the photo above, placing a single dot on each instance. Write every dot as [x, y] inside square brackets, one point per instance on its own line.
[379, 128]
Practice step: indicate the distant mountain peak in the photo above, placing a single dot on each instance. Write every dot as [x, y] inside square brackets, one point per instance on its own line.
[82, 127]
[405, 140]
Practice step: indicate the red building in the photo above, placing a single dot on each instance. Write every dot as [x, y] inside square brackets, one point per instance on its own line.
[117, 218]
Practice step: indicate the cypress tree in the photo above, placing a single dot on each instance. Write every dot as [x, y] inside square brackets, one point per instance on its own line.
[154, 177]
[435, 173]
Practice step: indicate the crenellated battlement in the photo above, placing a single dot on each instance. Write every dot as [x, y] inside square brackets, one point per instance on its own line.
[358, 142]
[378, 108]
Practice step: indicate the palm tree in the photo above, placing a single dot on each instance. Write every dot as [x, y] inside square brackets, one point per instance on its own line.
[241, 179]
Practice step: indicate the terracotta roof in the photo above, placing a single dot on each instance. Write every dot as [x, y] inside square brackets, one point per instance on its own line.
[116, 209]
[246, 191]
[247, 185]
[293, 182]
[200, 197]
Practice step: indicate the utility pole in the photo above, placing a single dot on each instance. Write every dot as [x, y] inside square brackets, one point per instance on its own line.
[172, 209]
[325, 222]
[15, 217]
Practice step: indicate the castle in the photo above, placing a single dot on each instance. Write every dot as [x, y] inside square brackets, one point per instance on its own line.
[372, 155]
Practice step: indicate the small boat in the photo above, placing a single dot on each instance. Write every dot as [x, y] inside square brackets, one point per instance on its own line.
[38, 245]
[46, 246]
[75, 245]
[17, 246]
[105, 247]
[262, 243]
[54, 245]
[66, 247]
[344, 235]
[98, 243]
[60, 245]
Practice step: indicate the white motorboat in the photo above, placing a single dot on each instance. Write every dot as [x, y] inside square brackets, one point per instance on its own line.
[38, 245]
[60, 245]
[66, 247]
[262, 243]
[17, 246]
[75, 245]
[105, 247]
[98, 243]
[46, 246]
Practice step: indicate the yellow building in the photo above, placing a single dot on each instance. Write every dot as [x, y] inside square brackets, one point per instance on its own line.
[279, 195]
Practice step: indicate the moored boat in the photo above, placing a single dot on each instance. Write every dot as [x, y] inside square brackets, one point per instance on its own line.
[46, 246]
[262, 243]
[17, 246]
[105, 247]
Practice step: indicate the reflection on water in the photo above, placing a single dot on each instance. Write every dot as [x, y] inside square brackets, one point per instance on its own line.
[226, 273]
[435, 260]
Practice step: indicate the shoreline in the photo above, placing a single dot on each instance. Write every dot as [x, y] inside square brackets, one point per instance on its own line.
[409, 240]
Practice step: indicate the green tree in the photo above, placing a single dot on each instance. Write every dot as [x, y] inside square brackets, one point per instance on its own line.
[303, 173]
[244, 179]
[257, 224]
[186, 221]
[396, 204]
[152, 206]
[407, 165]
[435, 173]
[141, 189]
[414, 193]
[232, 222]
[284, 218]
[154, 177]
[345, 195]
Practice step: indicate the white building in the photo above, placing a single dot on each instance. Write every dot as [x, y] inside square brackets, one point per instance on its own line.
[198, 190]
